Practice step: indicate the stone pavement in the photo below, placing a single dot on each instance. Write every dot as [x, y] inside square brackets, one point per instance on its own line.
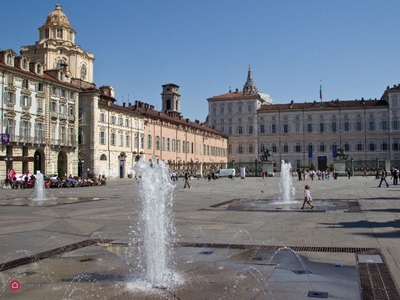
[365, 216]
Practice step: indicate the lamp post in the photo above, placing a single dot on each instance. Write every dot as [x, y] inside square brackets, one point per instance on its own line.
[351, 166]
[256, 165]
[191, 166]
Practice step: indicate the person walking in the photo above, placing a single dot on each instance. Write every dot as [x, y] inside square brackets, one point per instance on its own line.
[395, 175]
[186, 180]
[233, 175]
[307, 197]
[383, 174]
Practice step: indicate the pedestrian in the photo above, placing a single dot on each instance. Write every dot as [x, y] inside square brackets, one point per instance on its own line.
[383, 174]
[395, 175]
[307, 197]
[186, 180]
[348, 173]
[233, 175]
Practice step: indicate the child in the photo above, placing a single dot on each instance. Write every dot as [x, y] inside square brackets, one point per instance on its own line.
[307, 197]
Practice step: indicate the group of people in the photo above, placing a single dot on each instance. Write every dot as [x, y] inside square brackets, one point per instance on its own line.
[382, 175]
[320, 175]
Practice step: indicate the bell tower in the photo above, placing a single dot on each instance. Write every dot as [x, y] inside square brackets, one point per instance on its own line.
[171, 99]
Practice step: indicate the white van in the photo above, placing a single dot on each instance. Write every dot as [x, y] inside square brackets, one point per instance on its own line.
[225, 173]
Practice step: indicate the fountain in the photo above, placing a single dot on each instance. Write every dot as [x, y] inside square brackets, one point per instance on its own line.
[286, 183]
[39, 187]
[156, 226]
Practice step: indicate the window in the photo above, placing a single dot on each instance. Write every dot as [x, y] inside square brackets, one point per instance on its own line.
[103, 157]
[384, 125]
[346, 126]
[321, 127]
[297, 127]
[163, 144]
[395, 125]
[285, 128]
[120, 121]
[372, 125]
[25, 101]
[309, 127]
[285, 148]
[250, 129]
[230, 149]
[102, 117]
[149, 141]
[322, 147]
[262, 128]
[39, 134]
[371, 146]
[395, 146]
[121, 140]
[240, 129]
[221, 110]
[127, 123]
[10, 98]
[230, 130]
[334, 127]
[102, 138]
[141, 142]
[249, 108]
[157, 143]
[346, 146]
[240, 148]
[113, 120]
[274, 148]
[173, 145]
[250, 148]
[24, 131]
[59, 33]
[385, 146]
[178, 146]
[359, 146]
[24, 64]
[83, 72]
[39, 69]
[230, 109]
[168, 145]
[273, 128]
[113, 139]
[298, 147]
[25, 83]
[239, 109]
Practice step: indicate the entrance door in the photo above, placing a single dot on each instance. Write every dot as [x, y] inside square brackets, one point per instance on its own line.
[121, 168]
[322, 162]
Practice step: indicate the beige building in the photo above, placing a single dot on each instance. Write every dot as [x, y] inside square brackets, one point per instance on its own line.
[308, 134]
[113, 137]
[39, 117]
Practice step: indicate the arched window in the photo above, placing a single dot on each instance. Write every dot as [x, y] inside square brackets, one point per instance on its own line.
[83, 72]
[103, 157]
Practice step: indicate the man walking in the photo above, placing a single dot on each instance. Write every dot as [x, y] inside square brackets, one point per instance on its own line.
[383, 175]
[186, 180]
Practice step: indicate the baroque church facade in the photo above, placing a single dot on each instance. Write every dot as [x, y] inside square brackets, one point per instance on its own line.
[308, 134]
[55, 120]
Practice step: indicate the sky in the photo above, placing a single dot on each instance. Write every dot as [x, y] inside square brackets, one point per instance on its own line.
[350, 48]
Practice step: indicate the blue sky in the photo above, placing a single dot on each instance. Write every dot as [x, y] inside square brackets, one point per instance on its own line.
[205, 47]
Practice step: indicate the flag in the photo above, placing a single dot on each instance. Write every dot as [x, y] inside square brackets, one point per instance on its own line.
[320, 92]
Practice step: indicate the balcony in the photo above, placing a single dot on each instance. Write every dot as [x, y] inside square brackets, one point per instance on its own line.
[71, 118]
[63, 116]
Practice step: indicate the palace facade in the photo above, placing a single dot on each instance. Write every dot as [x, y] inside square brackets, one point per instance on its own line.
[310, 133]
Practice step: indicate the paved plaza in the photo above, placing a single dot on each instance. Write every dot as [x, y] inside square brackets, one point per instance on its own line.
[348, 247]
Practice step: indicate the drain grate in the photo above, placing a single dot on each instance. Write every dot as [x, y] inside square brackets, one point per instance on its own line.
[282, 248]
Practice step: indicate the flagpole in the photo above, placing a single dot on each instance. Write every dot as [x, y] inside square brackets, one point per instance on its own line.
[320, 90]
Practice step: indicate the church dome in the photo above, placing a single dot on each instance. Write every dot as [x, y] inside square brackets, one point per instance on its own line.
[57, 17]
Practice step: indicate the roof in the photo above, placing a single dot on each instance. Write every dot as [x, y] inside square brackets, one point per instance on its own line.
[234, 96]
[334, 104]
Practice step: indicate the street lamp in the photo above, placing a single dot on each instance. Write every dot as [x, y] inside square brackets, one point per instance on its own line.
[191, 166]
[351, 166]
